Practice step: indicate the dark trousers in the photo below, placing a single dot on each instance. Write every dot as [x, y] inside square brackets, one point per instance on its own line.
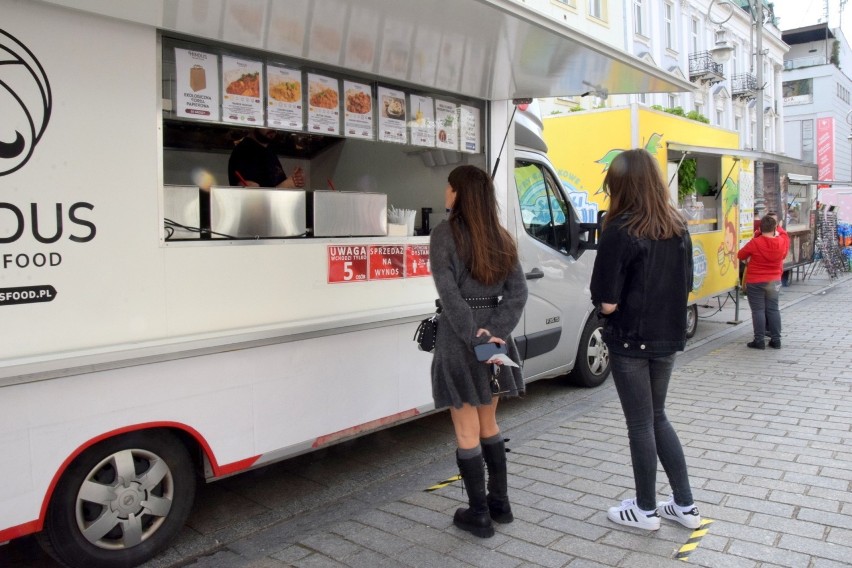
[765, 315]
[642, 385]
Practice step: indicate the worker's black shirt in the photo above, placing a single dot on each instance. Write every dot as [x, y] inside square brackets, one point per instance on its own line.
[255, 163]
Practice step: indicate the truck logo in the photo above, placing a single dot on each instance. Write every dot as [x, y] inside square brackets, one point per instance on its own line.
[25, 103]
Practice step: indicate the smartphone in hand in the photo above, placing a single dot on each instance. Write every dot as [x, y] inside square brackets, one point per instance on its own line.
[486, 351]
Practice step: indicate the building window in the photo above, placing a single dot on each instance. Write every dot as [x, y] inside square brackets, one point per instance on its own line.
[699, 108]
[571, 3]
[668, 13]
[808, 141]
[751, 134]
[738, 124]
[596, 9]
[672, 101]
[720, 117]
[643, 98]
[638, 17]
[843, 93]
[696, 35]
[735, 55]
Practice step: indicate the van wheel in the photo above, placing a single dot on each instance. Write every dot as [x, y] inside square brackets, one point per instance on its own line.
[120, 502]
[592, 365]
[691, 320]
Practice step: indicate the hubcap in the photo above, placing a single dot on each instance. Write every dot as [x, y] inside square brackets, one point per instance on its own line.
[124, 499]
[598, 353]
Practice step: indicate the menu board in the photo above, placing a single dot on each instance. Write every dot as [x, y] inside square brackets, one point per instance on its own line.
[287, 27]
[469, 129]
[422, 112]
[323, 104]
[244, 22]
[391, 115]
[361, 41]
[358, 110]
[446, 122]
[196, 76]
[284, 98]
[241, 84]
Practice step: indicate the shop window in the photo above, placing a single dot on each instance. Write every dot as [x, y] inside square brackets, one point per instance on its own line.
[544, 210]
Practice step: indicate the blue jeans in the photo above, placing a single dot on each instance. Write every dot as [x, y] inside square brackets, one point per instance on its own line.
[765, 315]
[642, 385]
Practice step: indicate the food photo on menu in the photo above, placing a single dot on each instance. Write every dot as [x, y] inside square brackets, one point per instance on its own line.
[393, 107]
[285, 91]
[358, 102]
[323, 96]
[243, 84]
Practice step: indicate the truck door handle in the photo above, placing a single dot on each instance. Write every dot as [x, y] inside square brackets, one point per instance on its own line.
[534, 274]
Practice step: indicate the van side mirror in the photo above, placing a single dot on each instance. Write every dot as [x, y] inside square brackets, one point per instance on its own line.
[592, 232]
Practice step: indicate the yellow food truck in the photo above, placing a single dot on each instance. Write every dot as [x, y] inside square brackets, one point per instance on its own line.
[718, 203]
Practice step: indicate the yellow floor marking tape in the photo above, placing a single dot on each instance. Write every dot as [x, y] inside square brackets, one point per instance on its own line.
[694, 539]
[443, 483]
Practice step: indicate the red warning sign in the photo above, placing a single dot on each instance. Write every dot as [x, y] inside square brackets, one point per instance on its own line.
[347, 263]
[387, 262]
[417, 261]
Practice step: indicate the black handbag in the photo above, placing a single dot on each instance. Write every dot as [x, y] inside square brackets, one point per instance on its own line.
[427, 332]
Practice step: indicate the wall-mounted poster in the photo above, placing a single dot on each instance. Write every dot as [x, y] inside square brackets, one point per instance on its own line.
[357, 110]
[469, 129]
[362, 39]
[323, 104]
[391, 115]
[446, 124]
[284, 98]
[422, 123]
[328, 24]
[197, 84]
[241, 85]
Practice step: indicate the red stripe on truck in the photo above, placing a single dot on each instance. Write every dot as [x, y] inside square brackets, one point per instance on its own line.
[218, 470]
[365, 427]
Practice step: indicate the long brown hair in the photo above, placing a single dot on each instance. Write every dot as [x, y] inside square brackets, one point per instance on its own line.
[636, 187]
[486, 248]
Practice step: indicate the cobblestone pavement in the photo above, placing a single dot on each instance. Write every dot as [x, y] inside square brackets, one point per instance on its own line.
[768, 443]
[766, 434]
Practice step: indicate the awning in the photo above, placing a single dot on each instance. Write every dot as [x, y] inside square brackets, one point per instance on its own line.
[487, 49]
[735, 153]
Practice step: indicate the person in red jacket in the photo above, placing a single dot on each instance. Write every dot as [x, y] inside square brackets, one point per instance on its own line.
[765, 255]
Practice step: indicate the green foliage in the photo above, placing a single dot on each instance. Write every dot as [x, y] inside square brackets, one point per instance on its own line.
[835, 54]
[695, 115]
[678, 111]
[686, 178]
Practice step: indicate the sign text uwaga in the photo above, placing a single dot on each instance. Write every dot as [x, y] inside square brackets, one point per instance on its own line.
[359, 263]
[68, 222]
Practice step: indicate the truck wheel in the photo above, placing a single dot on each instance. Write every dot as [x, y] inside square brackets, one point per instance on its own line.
[691, 320]
[592, 366]
[120, 502]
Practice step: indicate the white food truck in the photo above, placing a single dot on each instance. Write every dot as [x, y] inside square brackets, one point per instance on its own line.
[161, 327]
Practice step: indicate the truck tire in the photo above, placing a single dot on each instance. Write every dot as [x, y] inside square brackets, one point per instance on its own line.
[592, 365]
[691, 320]
[120, 502]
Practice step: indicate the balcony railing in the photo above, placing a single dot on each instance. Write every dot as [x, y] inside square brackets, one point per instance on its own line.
[800, 62]
[703, 68]
[744, 86]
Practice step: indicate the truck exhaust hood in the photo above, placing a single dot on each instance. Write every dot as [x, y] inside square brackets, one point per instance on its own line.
[514, 52]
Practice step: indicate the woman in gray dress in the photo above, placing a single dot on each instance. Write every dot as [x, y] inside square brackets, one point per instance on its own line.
[483, 290]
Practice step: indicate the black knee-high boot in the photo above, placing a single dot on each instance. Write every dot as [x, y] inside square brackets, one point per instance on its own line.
[475, 519]
[498, 486]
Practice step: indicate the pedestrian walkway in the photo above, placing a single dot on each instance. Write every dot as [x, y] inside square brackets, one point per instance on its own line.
[768, 442]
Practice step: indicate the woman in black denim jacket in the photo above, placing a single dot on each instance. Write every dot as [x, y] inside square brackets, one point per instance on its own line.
[640, 285]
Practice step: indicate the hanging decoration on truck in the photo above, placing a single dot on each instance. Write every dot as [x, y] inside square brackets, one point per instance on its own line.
[25, 103]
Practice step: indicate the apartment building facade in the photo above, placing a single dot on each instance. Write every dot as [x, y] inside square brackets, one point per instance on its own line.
[678, 36]
[816, 90]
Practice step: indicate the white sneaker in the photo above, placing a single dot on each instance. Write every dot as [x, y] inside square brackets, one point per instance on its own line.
[630, 515]
[690, 519]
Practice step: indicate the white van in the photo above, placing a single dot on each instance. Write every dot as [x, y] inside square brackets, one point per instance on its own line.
[161, 327]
